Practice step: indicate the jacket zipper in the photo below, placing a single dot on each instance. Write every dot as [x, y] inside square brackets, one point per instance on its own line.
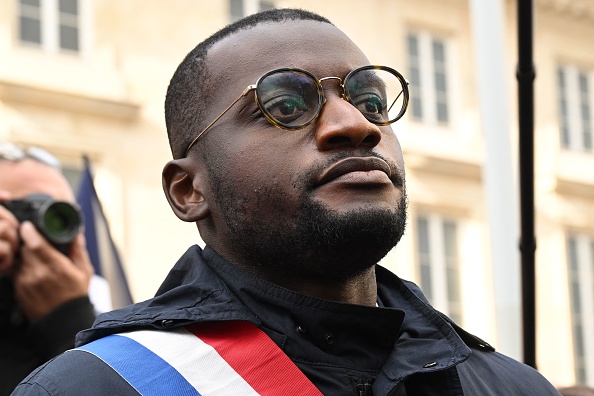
[365, 389]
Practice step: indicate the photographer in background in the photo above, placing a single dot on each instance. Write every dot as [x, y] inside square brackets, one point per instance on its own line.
[43, 293]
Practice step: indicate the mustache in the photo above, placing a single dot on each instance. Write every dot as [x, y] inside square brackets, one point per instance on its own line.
[396, 174]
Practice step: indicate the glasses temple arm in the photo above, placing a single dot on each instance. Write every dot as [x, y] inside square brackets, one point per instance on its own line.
[245, 92]
[394, 102]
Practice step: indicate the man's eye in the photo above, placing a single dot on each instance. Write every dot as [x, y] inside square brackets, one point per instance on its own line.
[286, 108]
[370, 104]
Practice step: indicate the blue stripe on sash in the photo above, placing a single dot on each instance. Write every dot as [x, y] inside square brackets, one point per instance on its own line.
[126, 356]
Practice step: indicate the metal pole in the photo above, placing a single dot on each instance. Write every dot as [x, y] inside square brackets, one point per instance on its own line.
[525, 75]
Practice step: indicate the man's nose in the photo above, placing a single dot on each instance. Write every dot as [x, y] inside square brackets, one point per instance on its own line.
[340, 124]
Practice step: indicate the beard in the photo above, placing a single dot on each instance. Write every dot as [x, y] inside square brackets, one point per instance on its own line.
[315, 242]
[337, 246]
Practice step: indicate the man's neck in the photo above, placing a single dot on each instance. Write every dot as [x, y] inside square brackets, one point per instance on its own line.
[360, 289]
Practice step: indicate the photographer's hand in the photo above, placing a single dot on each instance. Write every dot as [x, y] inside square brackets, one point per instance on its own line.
[45, 278]
[9, 236]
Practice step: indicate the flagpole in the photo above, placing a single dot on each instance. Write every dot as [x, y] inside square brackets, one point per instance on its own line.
[525, 75]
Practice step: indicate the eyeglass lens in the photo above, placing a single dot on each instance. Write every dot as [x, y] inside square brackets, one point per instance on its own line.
[290, 98]
[377, 94]
[293, 98]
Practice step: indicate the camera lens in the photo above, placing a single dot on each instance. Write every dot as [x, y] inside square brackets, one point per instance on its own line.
[60, 222]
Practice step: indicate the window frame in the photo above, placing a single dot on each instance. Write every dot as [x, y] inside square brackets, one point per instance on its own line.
[580, 286]
[52, 20]
[575, 108]
[426, 97]
[436, 265]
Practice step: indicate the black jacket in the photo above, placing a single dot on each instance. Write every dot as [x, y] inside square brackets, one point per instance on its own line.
[25, 346]
[404, 347]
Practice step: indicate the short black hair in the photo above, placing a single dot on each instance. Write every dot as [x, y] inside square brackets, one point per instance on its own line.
[188, 90]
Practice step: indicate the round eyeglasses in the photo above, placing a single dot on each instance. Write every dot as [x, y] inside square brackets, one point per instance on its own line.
[293, 98]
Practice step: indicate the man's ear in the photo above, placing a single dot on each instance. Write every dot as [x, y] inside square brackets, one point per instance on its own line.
[183, 192]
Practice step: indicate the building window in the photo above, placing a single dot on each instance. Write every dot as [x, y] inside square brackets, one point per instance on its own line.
[68, 21]
[30, 21]
[53, 25]
[241, 8]
[439, 264]
[576, 102]
[580, 269]
[428, 78]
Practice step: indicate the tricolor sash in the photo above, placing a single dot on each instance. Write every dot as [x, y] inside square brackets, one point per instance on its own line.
[218, 358]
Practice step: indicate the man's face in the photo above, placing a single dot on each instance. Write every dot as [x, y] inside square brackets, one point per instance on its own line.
[324, 201]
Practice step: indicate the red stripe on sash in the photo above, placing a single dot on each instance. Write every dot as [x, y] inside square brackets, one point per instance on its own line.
[255, 357]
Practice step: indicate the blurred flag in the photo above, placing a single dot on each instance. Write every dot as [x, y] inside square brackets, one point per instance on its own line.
[102, 250]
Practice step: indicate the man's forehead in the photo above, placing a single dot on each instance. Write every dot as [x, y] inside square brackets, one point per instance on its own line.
[303, 44]
[22, 178]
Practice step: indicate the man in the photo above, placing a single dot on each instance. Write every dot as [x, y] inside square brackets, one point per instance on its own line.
[43, 293]
[296, 184]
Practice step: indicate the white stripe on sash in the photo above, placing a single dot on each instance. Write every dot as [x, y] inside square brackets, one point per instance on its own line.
[204, 368]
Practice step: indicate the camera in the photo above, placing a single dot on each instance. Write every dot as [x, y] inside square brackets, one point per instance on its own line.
[58, 221]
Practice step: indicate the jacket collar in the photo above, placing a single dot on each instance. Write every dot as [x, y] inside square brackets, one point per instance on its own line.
[204, 287]
[191, 293]
[427, 341]
[311, 329]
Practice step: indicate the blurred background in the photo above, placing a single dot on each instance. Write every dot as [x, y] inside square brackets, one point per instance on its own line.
[88, 78]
